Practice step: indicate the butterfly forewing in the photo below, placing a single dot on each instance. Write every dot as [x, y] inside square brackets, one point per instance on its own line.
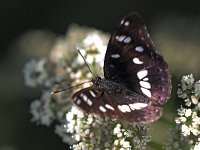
[131, 59]
[113, 106]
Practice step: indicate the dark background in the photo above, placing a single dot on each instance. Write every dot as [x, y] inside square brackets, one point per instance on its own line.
[17, 17]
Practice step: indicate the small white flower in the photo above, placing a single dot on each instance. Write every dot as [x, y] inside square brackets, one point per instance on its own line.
[197, 146]
[119, 134]
[196, 120]
[184, 86]
[194, 100]
[188, 102]
[125, 144]
[89, 59]
[90, 120]
[188, 79]
[194, 131]
[35, 73]
[87, 131]
[117, 129]
[190, 142]
[93, 41]
[181, 94]
[116, 142]
[179, 120]
[181, 111]
[185, 130]
[188, 112]
[69, 116]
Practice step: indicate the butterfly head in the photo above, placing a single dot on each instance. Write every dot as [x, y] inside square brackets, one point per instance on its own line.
[96, 81]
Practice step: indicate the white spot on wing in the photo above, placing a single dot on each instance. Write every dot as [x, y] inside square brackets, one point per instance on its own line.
[137, 61]
[121, 38]
[115, 55]
[139, 49]
[146, 92]
[109, 107]
[85, 98]
[124, 108]
[126, 23]
[145, 79]
[145, 84]
[137, 106]
[122, 21]
[142, 73]
[101, 108]
[78, 102]
[92, 93]
[89, 102]
[127, 40]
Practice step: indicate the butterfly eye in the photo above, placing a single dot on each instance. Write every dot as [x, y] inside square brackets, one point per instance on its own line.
[159, 70]
[98, 79]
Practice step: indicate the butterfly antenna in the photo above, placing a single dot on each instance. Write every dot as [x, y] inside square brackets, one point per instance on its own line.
[69, 88]
[85, 62]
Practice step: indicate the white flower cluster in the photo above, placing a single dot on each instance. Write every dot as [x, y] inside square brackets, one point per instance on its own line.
[79, 125]
[60, 130]
[41, 110]
[93, 132]
[63, 66]
[188, 120]
[35, 73]
[120, 141]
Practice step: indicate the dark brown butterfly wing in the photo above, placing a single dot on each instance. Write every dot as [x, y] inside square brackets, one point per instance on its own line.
[131, 59]
[97, 101]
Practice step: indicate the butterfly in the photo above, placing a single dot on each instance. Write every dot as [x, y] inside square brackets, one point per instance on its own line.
[137, 80]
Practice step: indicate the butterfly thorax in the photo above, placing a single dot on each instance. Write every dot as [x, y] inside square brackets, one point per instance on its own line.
[118, 89]
[107, 85]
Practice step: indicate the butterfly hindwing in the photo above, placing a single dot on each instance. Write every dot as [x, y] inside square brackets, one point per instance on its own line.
[92, 101]
[132, 60]
[110, 105]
